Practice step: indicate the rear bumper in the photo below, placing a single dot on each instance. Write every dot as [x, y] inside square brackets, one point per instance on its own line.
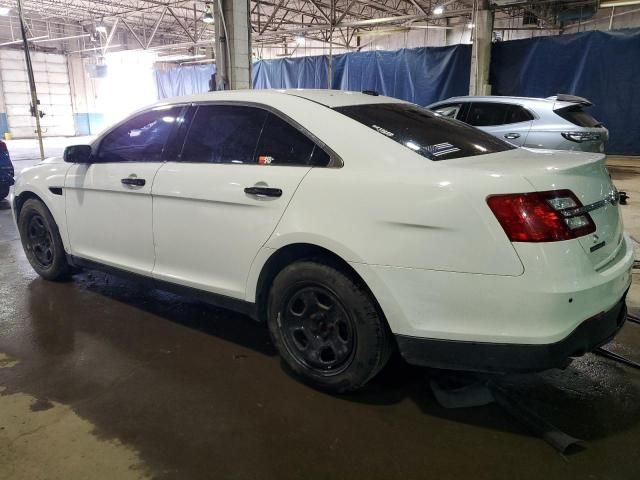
[510, 357]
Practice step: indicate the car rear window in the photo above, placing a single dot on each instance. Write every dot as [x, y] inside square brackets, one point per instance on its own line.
[577, 115]
[432, 136]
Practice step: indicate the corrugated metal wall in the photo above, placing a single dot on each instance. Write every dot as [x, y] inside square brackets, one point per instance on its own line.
[52, 82]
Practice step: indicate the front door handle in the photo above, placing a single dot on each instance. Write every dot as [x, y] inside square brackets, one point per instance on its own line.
[134, 182]
[263, 191]
[511, 136]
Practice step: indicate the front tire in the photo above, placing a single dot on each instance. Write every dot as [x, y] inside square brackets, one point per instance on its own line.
[327, 327]
[41, 241]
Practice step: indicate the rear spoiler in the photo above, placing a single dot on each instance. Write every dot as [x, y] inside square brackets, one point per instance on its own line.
[562, 97]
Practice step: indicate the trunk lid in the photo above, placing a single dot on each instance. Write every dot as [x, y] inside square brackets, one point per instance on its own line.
[585, 174]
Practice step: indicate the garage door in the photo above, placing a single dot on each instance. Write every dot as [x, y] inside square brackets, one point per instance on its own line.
[52, 82]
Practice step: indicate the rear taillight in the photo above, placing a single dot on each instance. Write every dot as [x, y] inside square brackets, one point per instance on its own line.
[581, 136]
[3, 147]
[541, 216]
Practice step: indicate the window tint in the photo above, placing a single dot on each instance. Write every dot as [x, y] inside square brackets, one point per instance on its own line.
[283, 144]
[141, 138]
[577, 116]
[450, 110]
[223, 134]
[486, 114]
[422, 131]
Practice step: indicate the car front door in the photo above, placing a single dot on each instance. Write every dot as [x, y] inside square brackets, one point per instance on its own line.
[507, 121]
[108, 201]
[220, 201]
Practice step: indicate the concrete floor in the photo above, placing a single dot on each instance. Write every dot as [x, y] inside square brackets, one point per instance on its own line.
[100, 378]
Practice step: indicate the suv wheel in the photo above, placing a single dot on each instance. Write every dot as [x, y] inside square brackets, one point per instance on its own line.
[41, 241]
[326, 327]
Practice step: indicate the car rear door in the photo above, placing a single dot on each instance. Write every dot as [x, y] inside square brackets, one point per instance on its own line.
[507, 121]
[108, 202]
[219, 201]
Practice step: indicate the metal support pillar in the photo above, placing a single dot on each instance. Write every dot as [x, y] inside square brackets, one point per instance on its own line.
[481, 50]
[233, 44]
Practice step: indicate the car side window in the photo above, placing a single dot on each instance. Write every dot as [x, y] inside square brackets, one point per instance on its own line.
[283, 144]
[487, 114]
[517, 114]
[141, 138]
[223, 134]
[450, 110]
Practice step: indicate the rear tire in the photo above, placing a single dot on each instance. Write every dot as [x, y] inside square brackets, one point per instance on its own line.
[42, 242]
[327, 327]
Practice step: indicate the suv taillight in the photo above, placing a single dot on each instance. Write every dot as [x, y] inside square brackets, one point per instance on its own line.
[3, 147]
[580, 137]
[541, 216]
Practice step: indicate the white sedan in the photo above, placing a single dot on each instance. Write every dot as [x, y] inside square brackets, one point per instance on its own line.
[351, 223]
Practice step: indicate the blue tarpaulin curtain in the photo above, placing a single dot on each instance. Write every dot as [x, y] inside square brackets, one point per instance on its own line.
[601, 66]
[185, 80]
[420, 75]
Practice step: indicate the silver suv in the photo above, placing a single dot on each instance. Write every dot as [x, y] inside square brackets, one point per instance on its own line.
[559, 123]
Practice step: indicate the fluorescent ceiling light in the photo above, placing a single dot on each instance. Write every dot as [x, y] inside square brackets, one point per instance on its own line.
[438, 11]
[300, 41]
[32, 39]
[4, 11]
[619, 3]
[101, 29]
[208, 15]
[178, 56]
[470, 25]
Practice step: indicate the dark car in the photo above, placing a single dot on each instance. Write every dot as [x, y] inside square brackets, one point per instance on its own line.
[6, 170]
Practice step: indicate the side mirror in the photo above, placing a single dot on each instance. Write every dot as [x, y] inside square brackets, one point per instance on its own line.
[78, 154]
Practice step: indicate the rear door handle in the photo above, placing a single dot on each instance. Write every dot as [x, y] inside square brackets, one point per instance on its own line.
[134, 182]
[263, 191]
[511, 136]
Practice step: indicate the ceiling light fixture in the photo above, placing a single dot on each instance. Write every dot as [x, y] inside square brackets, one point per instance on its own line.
[101, 28]
[438, 10]
[300, 41]
[4, 11]
[208, 14]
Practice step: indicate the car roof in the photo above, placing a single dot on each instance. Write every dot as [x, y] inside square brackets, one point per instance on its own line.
[329, 98]
[549, 101]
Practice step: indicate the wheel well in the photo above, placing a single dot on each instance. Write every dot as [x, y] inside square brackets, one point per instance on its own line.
[295, 253]
[23, 197]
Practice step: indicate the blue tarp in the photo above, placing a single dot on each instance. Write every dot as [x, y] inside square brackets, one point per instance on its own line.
[420, 75]
[601, 66]
[185, 80]
[301, 72]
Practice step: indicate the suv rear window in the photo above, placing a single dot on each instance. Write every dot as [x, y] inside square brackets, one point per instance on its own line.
[432, 136]
[576, 115]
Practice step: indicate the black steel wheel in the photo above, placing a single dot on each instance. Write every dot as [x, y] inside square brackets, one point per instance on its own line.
[41, 241]
[317, 330]
[327, 327]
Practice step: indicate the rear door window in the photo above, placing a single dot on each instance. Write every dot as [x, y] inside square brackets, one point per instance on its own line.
[283, 144]
[578, 116]
[489, 114]
[430, 135]
[223, 134]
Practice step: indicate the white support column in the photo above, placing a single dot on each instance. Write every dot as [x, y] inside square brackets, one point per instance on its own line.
[233, 45]
[481, 50]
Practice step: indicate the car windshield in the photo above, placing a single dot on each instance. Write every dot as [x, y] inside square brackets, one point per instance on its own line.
[432, 136]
